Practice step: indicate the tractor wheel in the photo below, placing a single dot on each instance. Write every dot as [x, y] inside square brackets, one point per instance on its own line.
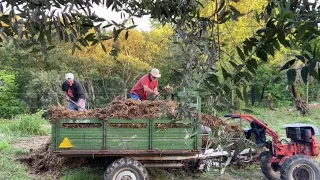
[300, 167]
[270, 170]
[126, 169]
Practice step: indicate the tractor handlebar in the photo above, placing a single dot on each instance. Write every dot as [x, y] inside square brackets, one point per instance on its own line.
[250, 118]
[232, 116]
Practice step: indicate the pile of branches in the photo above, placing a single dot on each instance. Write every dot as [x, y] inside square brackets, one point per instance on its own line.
[120, 108]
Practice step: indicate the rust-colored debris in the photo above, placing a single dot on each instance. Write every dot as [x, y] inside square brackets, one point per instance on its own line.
[81, 125]
[119, 108]
[172, 125]
[128, 125]
[42, 160]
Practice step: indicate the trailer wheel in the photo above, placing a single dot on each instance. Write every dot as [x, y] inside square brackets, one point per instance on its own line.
[300, 167]
[126, 169]
[270, 170]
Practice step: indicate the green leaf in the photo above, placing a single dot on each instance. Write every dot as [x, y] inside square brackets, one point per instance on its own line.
[287, 64]
[262, 30]
[236, 79]
[106, 26]
[276, 80]
[318, 72]
[263, 90]
[304, 74]
[73, 49]
[78, 47]
[90, 37]
[65, 19]
[300, 57]
[256, 15]
[282, 39]
[240, 53]
[235, 13]
[106, 37]
[239, 94]
[35, 50]
[116, 33]
[99, 20]
[276, 44]
[227, 89]
[83, 42]
[246, 50]
[306, 56]
[249, 44]
[313, 64]
[262, 55]
[269, 49]
[234, 64]
[291, 75]
[270, 23]
[245, 94]
[48, 33]
[94, 42]
[213, 78]
[87, 24]
[104, 48]
[50, 47]
[127, 35]
[252, 62]
[314, 74]
[222, 15]
[225, 73]
[247, 75]
[253, 95]
[314, 51]
[251, 69]
[109, 3]
[302, 29]
[221, 5]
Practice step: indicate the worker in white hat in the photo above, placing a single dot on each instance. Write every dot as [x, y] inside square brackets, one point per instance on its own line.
[74, 93]
[147, 84]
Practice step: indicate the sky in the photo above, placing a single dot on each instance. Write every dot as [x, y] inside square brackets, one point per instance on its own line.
[143, 23]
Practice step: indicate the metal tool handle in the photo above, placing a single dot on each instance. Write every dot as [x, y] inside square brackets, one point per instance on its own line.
[77, 104]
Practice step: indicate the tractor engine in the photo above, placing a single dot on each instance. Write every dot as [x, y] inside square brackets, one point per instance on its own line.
[303, 139]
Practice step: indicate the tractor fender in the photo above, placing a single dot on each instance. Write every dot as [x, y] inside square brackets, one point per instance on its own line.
[283, 160]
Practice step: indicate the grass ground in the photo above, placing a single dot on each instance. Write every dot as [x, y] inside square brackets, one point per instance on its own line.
[12, 131]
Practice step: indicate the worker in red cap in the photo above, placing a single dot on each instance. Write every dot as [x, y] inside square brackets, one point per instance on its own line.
[147, 84]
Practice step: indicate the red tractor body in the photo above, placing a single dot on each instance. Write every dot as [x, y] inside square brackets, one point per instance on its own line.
[291, 160]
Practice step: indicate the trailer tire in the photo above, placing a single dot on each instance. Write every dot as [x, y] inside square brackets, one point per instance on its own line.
[300, 167]
[270, 170]
[126, 167]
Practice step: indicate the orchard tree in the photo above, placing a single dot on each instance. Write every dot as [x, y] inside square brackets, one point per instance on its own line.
[288, 23]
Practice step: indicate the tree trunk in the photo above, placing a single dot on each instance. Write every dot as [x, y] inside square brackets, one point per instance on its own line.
[270, 103]
[300, 104]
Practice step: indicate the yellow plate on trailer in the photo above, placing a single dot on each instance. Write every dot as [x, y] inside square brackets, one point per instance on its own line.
[66, 143]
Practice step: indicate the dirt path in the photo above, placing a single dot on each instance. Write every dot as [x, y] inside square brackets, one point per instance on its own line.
[31, 143]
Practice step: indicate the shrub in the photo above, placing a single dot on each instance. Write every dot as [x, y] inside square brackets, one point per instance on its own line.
[4, 145]
[28, 124]
[11, 105]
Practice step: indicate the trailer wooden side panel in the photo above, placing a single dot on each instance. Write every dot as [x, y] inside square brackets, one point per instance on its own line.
[96, 135]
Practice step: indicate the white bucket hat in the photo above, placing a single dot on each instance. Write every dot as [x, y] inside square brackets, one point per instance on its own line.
[69, 76]
[155, 72]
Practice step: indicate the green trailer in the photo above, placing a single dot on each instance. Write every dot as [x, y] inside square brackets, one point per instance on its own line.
[136, 144]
